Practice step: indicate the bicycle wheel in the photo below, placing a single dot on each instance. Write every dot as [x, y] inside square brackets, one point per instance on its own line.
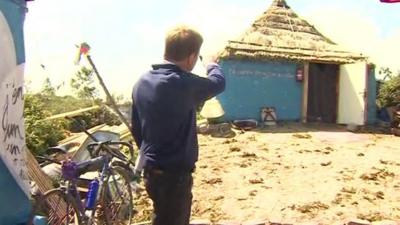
[59, 208]
[116, 198]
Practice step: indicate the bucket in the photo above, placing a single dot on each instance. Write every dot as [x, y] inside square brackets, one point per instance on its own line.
[212, 110]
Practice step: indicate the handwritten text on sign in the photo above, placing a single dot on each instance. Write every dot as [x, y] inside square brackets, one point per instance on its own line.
[12, 135]
[260, 73]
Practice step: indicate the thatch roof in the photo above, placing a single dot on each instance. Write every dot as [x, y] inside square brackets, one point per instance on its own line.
[280, 34]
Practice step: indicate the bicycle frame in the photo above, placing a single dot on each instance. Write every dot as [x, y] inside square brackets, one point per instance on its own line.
[103, 175]
[71, 191]
[103, 153]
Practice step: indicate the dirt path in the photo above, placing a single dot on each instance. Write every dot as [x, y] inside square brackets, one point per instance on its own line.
[296, 173]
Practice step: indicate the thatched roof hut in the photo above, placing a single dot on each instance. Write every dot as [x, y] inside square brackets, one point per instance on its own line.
[279, 33]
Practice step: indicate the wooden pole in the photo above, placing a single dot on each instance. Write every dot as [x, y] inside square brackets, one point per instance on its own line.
[305, 92]
[44, 184]
[113, 104]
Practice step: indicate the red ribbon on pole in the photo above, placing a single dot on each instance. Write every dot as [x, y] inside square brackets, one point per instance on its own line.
[84, 49]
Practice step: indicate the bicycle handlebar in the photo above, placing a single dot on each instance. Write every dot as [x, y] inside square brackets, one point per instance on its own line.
[105, 143]
[106, 146]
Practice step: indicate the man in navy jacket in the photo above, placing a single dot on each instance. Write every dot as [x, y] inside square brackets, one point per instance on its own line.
[165, 100]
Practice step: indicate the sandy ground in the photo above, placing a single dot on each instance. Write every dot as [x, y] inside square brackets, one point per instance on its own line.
[295, 173]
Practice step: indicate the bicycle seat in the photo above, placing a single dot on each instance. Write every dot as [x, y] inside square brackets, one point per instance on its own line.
[62, 148]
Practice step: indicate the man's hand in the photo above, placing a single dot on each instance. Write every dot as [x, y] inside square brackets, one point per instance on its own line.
[209, 59]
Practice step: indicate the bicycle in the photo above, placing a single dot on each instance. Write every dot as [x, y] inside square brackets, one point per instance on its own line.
[126, 162]
[111, 204]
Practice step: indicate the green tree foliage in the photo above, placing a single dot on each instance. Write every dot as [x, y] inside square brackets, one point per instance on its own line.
[118, 98]
[389, 93]
[102, 115]
[48, 89]
[59, 104]
[40, 133]
[386, 73]
[83, 84]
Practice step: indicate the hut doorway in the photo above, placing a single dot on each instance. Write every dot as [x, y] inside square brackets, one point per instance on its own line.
[322, 93]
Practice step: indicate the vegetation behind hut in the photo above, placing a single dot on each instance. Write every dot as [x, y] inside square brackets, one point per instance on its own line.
[389, 91]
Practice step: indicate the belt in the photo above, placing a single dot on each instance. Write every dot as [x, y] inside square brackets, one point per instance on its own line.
[154, 171]
[158, 171]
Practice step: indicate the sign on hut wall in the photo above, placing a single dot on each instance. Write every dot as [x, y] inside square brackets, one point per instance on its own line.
[235, 71]
[254, 85]
[12, 136]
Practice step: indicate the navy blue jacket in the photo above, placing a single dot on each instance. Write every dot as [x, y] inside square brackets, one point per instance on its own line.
[164, 114]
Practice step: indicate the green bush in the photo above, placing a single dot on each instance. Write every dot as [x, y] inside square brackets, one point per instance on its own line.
[94, 118]
[40, 133]
[61, 104]
[389, 92]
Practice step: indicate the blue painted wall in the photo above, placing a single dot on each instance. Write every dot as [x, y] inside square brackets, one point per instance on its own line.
[371, 113]
[14, 204]
[15, 207]
[14, 11]
[251, 85]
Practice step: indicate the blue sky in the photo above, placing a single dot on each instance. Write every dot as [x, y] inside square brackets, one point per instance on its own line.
[126, 36]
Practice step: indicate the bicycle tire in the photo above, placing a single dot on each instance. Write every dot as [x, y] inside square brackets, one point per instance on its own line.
[54, 205]
[116, 198]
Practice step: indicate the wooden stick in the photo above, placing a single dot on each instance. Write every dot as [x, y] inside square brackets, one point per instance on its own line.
[113, 104]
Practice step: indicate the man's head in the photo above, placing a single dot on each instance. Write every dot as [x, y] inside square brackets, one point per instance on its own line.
[182, 46]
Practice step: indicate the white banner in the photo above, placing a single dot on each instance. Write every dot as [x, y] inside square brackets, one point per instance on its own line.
[12, 132]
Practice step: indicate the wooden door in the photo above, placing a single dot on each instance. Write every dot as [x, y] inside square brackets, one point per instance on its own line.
[322, 93]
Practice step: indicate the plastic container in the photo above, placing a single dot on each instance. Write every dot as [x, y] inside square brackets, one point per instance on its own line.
[39, 220]
[92, 194]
